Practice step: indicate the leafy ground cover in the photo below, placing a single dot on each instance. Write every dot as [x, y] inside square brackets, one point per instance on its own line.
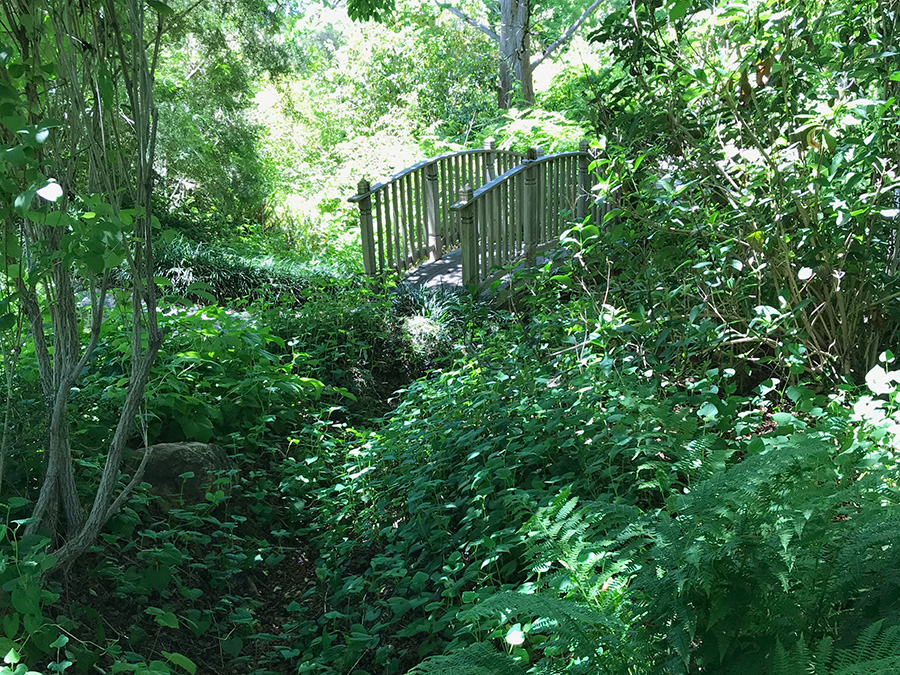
[553, 494]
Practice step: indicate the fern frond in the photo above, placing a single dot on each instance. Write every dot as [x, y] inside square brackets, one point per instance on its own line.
[477, 659]
[876, 648]
[581, 629]
[876, 652]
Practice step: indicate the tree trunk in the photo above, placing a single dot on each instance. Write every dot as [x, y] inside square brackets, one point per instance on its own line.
[514, 42]
[515, 53]
[93, 153]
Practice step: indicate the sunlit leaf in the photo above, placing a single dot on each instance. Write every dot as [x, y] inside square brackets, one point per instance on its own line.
[51, 192]
[515, 636]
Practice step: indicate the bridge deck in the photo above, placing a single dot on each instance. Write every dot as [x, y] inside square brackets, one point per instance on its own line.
[443, 273]
[447, 272]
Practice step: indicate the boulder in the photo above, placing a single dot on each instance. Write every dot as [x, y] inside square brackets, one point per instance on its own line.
[168, 464]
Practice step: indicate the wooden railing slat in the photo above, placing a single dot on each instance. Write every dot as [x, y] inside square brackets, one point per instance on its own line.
[379, 228]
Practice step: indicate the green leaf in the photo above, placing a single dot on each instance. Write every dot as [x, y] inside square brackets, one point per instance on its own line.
[679, 9]
[161, 7]
[708, 410]
[15, 123]
[232, 646]
[105, 87]
[15, 156]
[181, 660]
[162, 617]
[11, 625]
[59, 642]
[94, 262]
[7, 321]
[784, 419]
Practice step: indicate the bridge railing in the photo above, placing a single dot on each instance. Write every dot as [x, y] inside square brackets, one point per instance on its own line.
[524, 210]
[408, 219]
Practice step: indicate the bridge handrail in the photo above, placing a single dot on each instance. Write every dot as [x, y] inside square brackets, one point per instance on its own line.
[428, 162]
[407, 219]
[523, 209]
[519, 168]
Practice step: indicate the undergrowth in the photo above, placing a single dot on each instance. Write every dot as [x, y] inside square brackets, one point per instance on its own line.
[576, 483]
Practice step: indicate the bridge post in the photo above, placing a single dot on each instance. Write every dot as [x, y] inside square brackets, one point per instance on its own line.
[432, 208]
[490, 161]
[540, 200]
[531, 203]
[365, 227]
[583, 188]
[468, 237]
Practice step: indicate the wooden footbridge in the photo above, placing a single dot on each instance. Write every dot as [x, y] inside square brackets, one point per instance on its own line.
[466, 217]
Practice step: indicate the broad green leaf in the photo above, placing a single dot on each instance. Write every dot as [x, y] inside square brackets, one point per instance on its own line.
[232, 645]
[181, 660]
[15, 156]
[161, 7]
[708, 410]
[167, 619]
[679, 9]
[59, 642]
[15, 123]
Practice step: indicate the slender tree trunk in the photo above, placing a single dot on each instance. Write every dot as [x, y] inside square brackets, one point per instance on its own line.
[515, 52]
[514, 44]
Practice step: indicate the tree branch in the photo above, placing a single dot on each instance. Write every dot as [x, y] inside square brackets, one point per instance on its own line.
[472, 22]
[565, 37]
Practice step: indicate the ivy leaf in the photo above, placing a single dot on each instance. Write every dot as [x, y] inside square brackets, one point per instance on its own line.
[12, 657]
[59, 642]
[162, 617]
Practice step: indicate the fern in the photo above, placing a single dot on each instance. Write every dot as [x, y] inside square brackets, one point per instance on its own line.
[477, 659]
[573, 627]
[876, 652]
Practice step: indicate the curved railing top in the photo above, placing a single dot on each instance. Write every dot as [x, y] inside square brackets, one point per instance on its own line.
[426, 162]
[519, 168]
